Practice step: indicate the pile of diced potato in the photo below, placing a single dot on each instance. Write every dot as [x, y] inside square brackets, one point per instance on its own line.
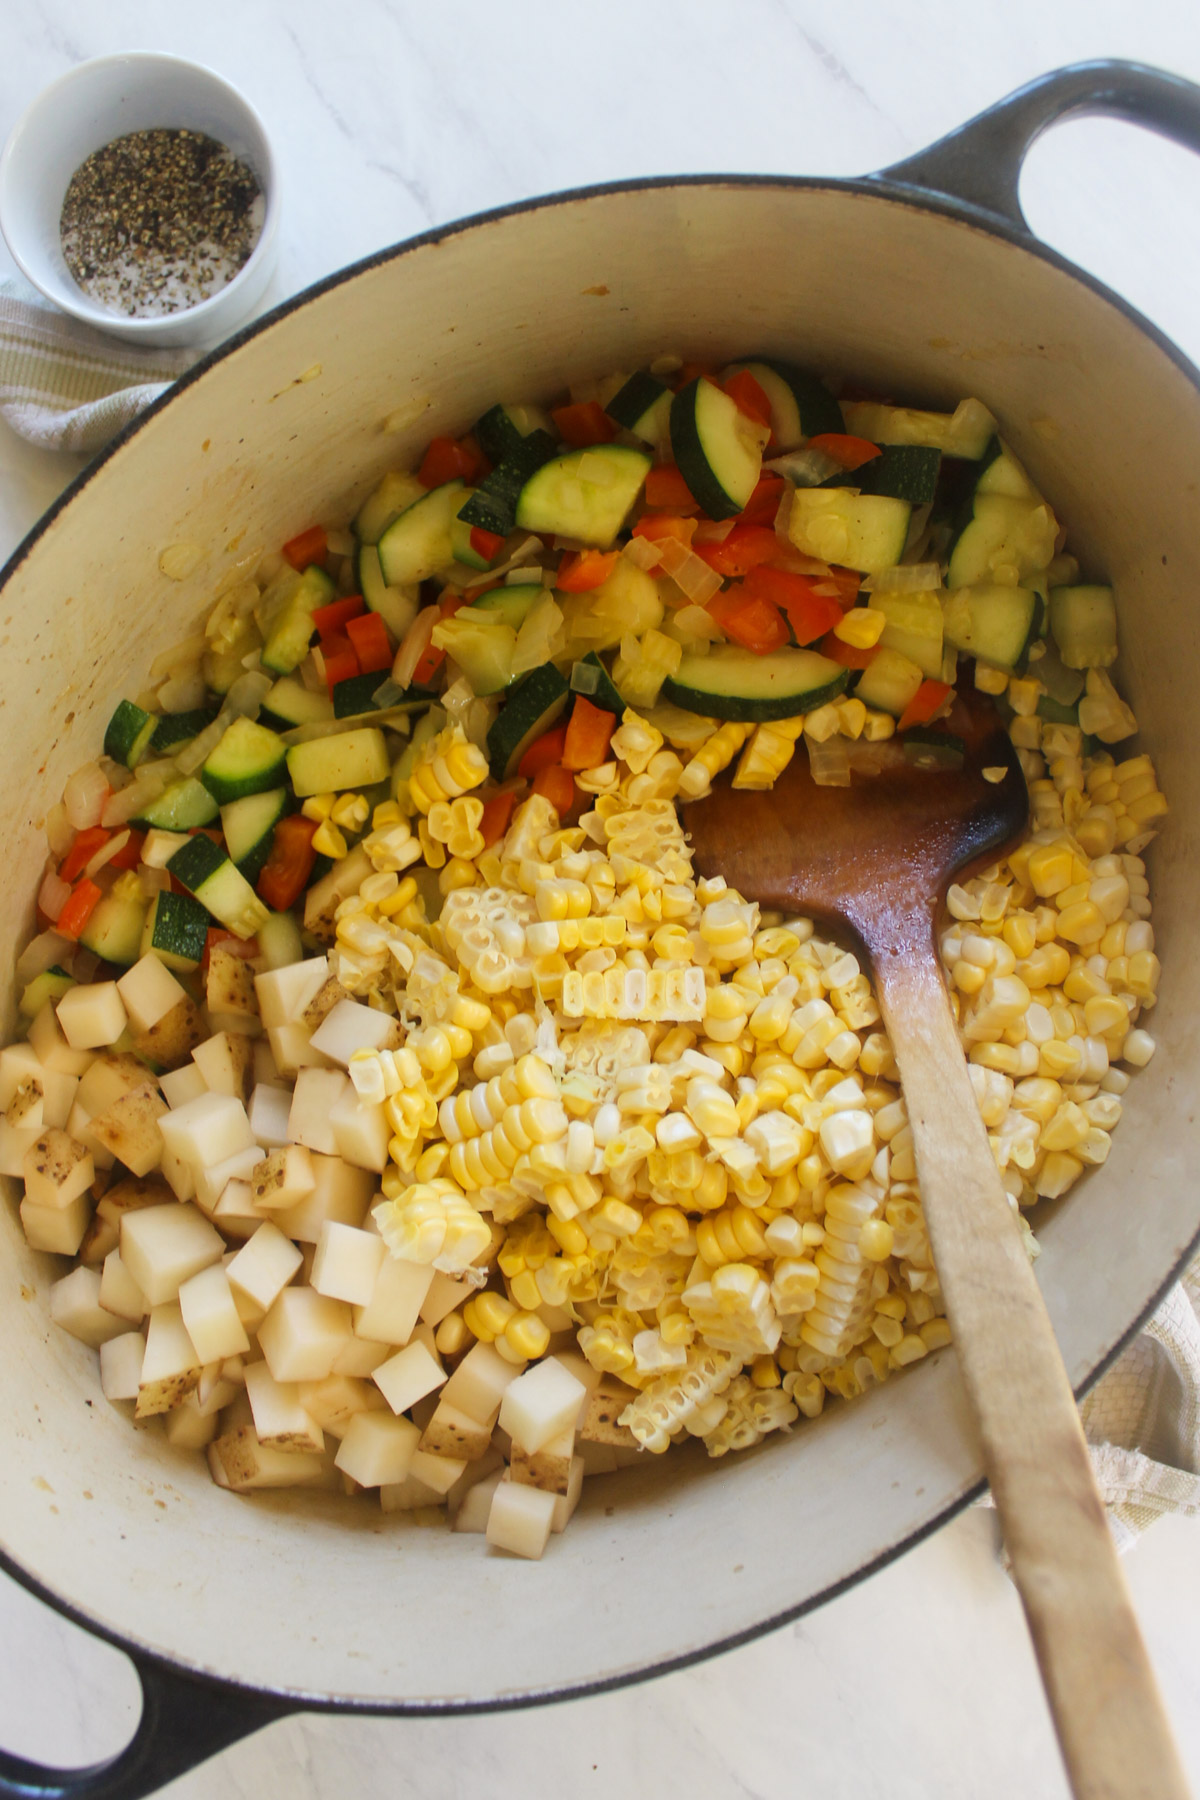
[234, 1281]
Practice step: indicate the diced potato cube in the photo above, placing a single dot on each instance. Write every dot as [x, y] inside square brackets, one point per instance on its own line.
[346, 1266]
[75, 1307]
[57, 1170]
[19, 1067]
[179, 1176]
[263, 1267]
[27, 1108]
[188, 1427]
[282, 1178]
[377, 1448]
[451, 1432]
[480, 1382]
[235, 1214]
[445, 1293]
[355, 758]
[246, 1464]
[350, 1026]
[269, 1109]
[549, 1467]
[91, 1015]
[162, 1246]
[302, 1335]
[149, 991]
[170, 1367]
[605, 1406]
[284, 993]
[340, 1193]
[315, 1093]
[226, 1062]
[130, 1195]
[408, 1376]
[207, 1130]
[331, 993]
[476, 1506]
[171, 1041]
[110, 1074]
[409, 1495]
[391, 1313]
[540, 1403]
[279, 1418]
[210, 1316]
[129, 1128]
[360, 1131]
[565, 1504]
[229, 986]
[121, 1366]
[18, 1064]
[361, 1357]
[181, 1085]
[15, 1143]
[120, 1293]
[51, 1047]
[211, 1182]
[437, 1472]
[291, 1047]
[332, 1403]
[520, 1519]
[58, 1229]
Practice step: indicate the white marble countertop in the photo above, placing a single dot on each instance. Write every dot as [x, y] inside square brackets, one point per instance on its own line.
[389, 117]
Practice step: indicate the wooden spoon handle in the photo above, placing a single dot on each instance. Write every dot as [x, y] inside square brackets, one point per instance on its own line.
[1107, 1711]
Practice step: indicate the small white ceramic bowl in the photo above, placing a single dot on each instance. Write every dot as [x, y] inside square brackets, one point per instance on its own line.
[94, 103]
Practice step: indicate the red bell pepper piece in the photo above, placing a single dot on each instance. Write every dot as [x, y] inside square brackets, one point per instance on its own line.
[487, 544]
[372, 646]
[287, 869]
[666, 488]
[690, 371]
[332, 618]
[664, 525]
[928, 699]
[809, 614]
[340, 661]
[543, 751]
[584, 423]
[73, 918]
[431, 658]
[588, 735]
[558, 786]
[496, 814]
[851, 452]
[850, 656]
[450, 459]
[763, 504]
[740, 550]
[309, 547]
[749, 620]
[130, 854]
[581, 571]
[749, 398]
[87, 842]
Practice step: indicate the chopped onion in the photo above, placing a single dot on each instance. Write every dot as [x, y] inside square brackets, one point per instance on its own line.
[105, 853]
[541, 637]
[697, 625]
[414, 646]
[84, 796]
[180, 656]
[153, 881]
[341, 543]
[830, 761]
[183, 692]
[244, 699]
[525, 574]
[867, 758]
[387, 694]
[805, 468]
[696, 579]
[644, 553]
[585, 678]
[85, 965]
[146, 786]
[597, 470]
[53, 894]
[46, 950]
[905, 578]
[312, 676]
[60, 833]
[192, 755]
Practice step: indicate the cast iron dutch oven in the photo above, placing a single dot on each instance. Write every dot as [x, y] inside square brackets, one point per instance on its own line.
[923, 281]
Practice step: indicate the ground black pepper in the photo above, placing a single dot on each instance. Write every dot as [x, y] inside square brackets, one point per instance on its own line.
[159, 220]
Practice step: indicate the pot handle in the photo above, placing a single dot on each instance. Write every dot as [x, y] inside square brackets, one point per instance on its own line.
[184, 1721]
[980, 163]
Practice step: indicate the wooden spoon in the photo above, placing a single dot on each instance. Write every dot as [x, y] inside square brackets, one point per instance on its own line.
[878, 857]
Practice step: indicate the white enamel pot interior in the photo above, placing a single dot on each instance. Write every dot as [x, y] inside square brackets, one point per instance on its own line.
[328, 1600]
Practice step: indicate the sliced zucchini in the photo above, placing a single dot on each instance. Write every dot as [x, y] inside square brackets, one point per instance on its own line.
[174, 730]
[718, 450]
[530, 709]
[904, 471]
[180, 807]
[279, 940]
[732, 683]
[355, 696]
[289, 703]
[396, 606]
[503, 429]
[207, 872]
[1063, 685]
[512, 604]
[394, 494]
[248, 759]
[643, 406]
[857, 531]
[352, 759]
[914, 628]
[418, 542]
[175, 931]
[114, 931]
[225, 666]
[966, 432]
[1005, 538]
[801, 406]
[928, 748]
[1083, 621]
[483, 647]
[590, 678]
[993, 623]
[50, 986]
[129, 734]
[249, 826]
[586, 494]
[464, 545]
[290, 627]
[493, 505]
[1056, 712]
[889, 682]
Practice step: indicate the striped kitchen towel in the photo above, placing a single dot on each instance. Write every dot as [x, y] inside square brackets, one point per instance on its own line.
[65, 386]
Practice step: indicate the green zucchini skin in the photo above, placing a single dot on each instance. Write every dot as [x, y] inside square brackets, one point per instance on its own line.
[176, 930]
[901, 472]
[711, 450]
[174, 730]
[248, 760]
[605, 693]
[184, 805]
[560, 497]
[493, 505]
[731, 683]
[530, 709]
[129, 734]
